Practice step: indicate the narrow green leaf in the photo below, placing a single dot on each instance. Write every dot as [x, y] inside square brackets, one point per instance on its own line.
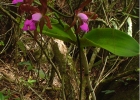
[24, 63]
[58, 31]
[31, 81]
[1, 96]
[113, 40]
[108, 91]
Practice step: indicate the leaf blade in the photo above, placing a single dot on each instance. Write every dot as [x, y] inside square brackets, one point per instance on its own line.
[113, 40]
[58, 31]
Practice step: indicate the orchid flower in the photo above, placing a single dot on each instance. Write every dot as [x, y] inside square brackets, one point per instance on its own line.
[34, 15]
[30, 24]
[16, 1]
[82, 17]
[84, 26]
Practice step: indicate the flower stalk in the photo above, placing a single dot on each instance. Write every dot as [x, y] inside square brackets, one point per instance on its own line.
[86, 72]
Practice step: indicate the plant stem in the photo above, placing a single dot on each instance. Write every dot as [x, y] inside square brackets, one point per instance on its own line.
[86, 71]
[78, 43]
[93, 57]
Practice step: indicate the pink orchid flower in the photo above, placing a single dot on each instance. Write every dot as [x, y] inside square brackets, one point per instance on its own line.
[82, 17]
[29, 25]
[16, 1]
[84, 26]
[36, 17]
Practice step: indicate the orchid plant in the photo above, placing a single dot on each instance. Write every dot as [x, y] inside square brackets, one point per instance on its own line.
[83, 17]
[33, 15]
[115, 41]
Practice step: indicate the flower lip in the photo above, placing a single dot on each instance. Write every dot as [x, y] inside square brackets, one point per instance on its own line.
[29, 25]
[83, 17]
[84, 27]
[36, 16]
[16, 1]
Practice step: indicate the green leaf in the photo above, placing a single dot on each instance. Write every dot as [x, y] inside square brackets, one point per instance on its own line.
[133, 16]
[58, 31]
[29, 67]
[1, 43]
[30, 81]
[41, 74]
[24, 63]
[113, 40]
[1, 96]
[27, 63]
[108, 91]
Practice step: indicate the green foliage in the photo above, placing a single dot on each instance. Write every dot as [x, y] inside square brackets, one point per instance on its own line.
[1, 96]
[26, 63]
[113, 40]
[22, 47]
[108, 91]
[58, 31]
[41, 74]
[1, 43]
[7, 96]
[31, 81]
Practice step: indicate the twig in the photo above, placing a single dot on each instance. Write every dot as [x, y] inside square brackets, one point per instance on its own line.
[6, 12]
[108, 73]
[94, 55]
[9, 40]
[136, 71]
[98, 81]
[64, 15]
[35, 92]
[105, 16]
[130, 4]
[53, 65]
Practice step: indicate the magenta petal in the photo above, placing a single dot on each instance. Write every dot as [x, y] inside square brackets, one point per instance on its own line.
[83, 17]
[29, 25]
[16, 1]
[84, 27]
[32, 26]
[36, 16]
[26, 25]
